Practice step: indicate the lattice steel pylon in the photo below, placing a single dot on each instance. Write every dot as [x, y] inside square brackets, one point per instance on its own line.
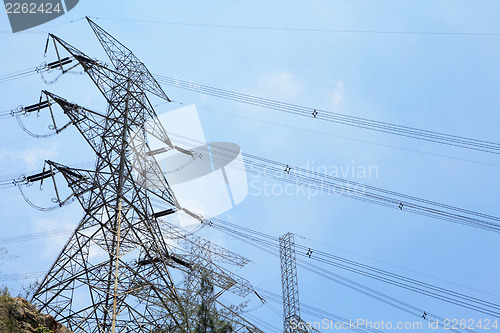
[292, 323]
[114, 273]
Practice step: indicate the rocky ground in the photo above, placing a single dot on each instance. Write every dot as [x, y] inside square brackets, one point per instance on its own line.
[17, 315]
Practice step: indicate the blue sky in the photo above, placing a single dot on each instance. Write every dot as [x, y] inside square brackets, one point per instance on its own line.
[445, 83]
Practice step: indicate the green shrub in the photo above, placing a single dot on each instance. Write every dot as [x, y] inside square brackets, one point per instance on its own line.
[4, 292]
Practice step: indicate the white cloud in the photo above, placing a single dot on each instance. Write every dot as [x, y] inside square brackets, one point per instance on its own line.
[32, 157]
[336, 96]
[282, 86]
[53, 245]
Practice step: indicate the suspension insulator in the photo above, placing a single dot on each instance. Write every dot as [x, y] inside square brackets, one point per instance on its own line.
[37, 106]
[59, 63]
[38, 176]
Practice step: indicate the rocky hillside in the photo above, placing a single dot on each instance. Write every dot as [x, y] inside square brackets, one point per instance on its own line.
[17, 315]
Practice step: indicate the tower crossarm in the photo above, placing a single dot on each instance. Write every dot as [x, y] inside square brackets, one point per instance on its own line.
[188, 241]
[121, 56]
[102, 133]
[129, 76]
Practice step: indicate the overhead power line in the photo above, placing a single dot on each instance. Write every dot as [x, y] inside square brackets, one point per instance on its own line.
[297, 29]
[334, 117]
[324, 115]
[22, 276]
[307, 181]
[315, 312]
[36, 236]
[310, 180]
[423, 288]
[399, 267]
[271, 244]
[331, 134]
[19, 74]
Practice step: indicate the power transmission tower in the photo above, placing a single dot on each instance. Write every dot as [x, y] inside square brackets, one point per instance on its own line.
[115, 272]
[292, 322]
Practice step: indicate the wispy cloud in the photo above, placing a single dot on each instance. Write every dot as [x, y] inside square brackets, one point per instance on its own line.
[336, 95]
[52, 246]
[280, 85]
[30, 157]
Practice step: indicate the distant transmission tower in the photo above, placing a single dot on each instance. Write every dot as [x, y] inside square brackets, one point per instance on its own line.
[292, 323]
[116, 272]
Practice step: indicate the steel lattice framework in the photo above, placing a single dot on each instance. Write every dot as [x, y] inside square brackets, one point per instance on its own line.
[115, 271]
[292, 323]
[291, 305]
